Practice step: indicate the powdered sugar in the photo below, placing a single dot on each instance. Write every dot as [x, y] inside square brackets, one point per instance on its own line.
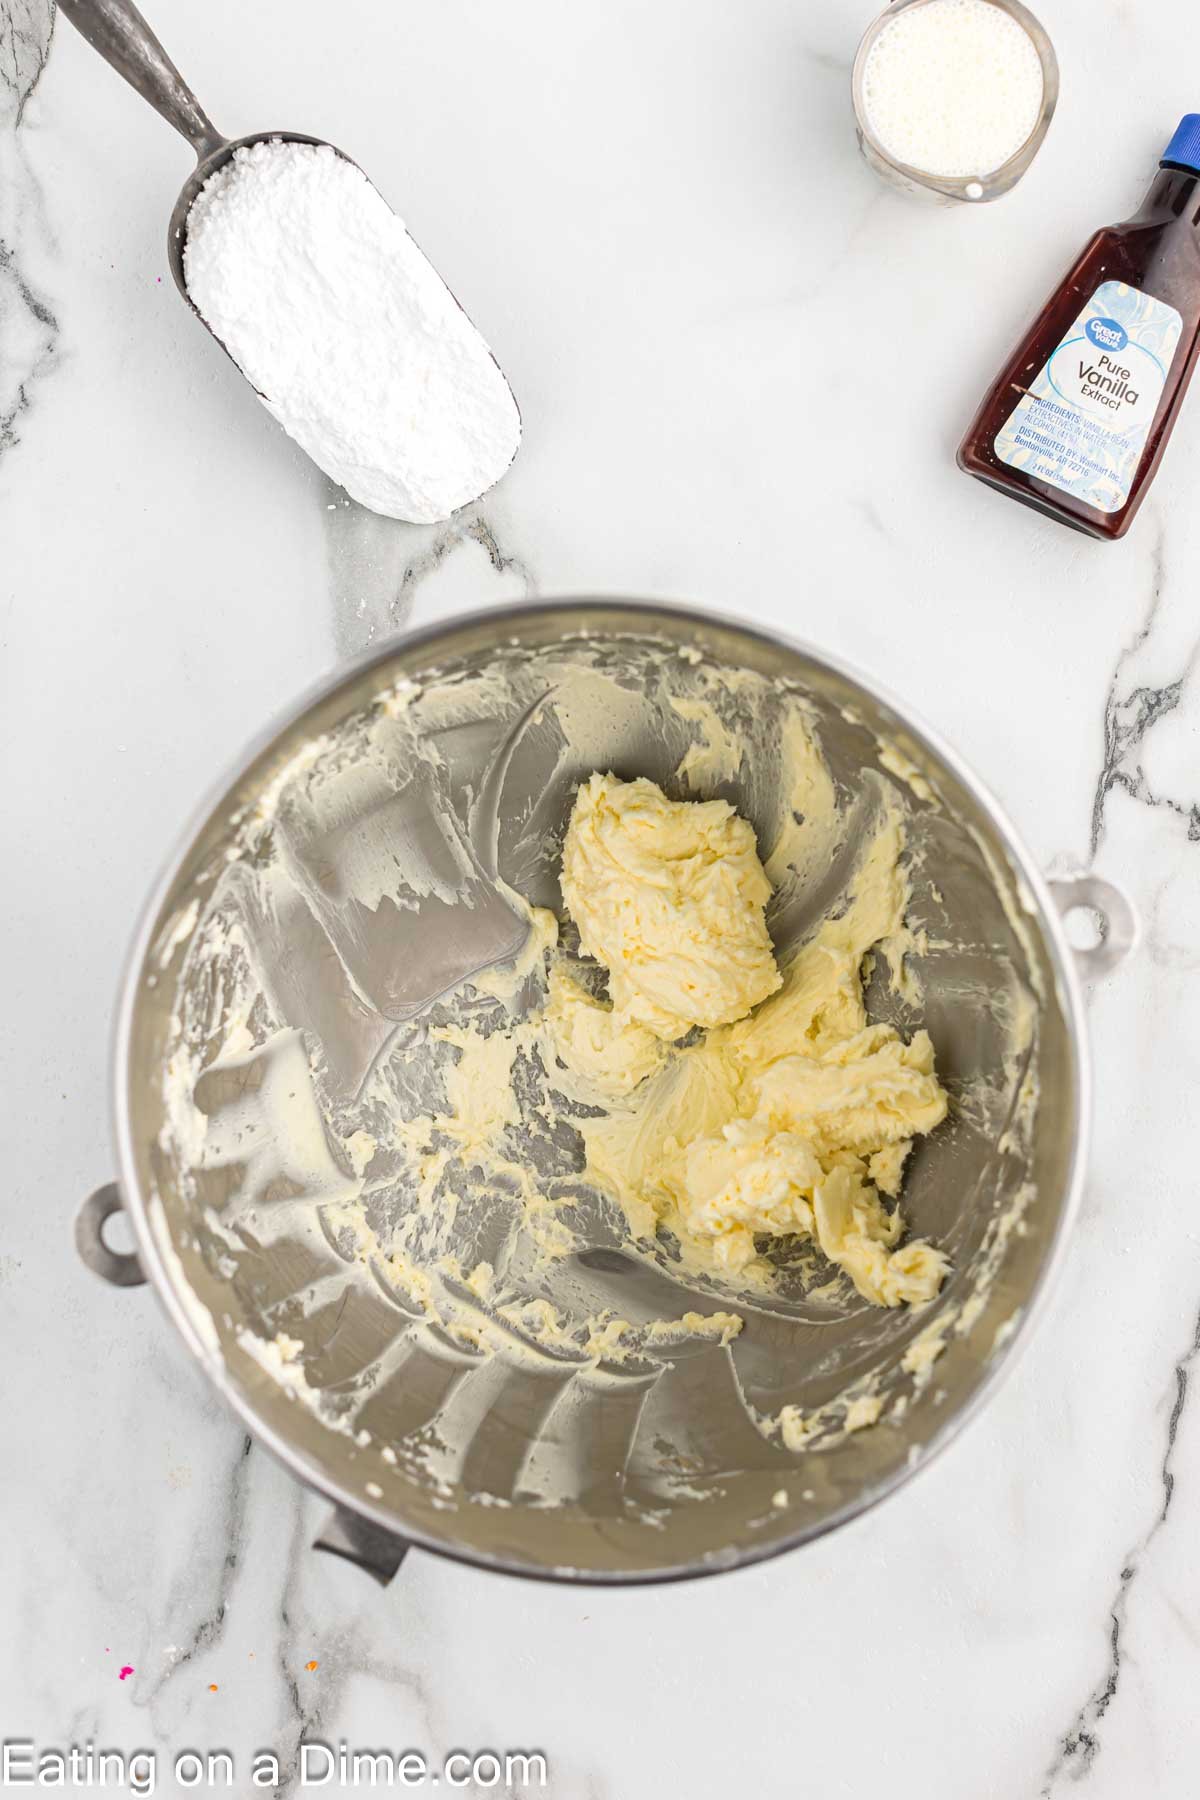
[350, 336]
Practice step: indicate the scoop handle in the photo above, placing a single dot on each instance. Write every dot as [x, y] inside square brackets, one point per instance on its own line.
[118, 31]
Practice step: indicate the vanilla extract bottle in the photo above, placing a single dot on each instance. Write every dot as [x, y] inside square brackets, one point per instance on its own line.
[1078, 419]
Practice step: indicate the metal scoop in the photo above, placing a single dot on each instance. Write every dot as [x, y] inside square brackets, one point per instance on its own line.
[119, 32]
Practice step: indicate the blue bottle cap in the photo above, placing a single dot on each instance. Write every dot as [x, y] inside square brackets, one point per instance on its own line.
[1184, 147]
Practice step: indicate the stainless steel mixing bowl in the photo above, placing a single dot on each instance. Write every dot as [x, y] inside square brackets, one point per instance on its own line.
[655, 1470]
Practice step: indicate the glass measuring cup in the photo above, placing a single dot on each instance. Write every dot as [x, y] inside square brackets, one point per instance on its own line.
[947, 189]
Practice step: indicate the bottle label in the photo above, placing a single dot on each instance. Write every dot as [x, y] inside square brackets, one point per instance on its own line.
[1083, 424]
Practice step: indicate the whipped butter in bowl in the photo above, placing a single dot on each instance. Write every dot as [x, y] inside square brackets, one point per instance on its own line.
[597, 1070]
[953, 98]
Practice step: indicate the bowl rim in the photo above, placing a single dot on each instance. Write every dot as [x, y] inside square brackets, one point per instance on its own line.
[161, 1277]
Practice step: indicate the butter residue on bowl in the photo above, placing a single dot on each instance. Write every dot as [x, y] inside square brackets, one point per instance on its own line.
[483, 1148]
[606, 1049]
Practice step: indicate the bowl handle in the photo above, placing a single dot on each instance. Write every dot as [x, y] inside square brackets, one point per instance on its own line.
[121, 1267]
[1116, 921]
[376, 1551]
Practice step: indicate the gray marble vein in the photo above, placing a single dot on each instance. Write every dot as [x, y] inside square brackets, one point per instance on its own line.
[211, 1596]
[1131, 711]
[471, 528]
[827, 59]
[379, 567]
[26, 318]
[29, 328]
[26, 30]
[1080, 1744]
[302, 1712]
[310, 1713]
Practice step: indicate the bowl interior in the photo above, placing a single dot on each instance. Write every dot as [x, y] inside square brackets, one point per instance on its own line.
[287, 998]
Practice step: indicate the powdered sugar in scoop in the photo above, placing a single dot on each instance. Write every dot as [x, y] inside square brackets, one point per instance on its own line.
[350, 336]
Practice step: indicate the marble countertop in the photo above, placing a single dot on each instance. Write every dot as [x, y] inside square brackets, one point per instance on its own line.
[743, 366]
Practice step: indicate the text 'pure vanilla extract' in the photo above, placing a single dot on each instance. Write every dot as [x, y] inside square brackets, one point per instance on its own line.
[1077, 421]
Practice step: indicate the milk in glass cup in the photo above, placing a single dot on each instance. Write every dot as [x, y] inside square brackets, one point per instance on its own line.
[953, 98]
